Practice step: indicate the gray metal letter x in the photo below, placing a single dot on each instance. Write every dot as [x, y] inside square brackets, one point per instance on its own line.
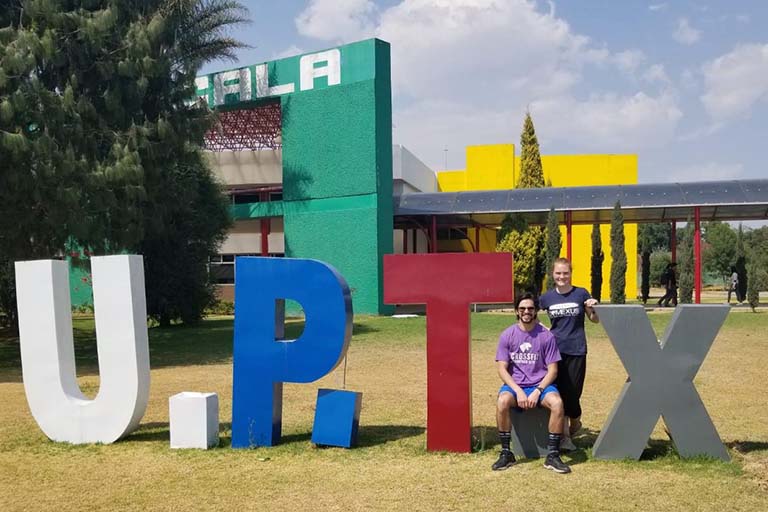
[660, 381]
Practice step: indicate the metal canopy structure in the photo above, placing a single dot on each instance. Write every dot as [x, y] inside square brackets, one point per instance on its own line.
[661, 202]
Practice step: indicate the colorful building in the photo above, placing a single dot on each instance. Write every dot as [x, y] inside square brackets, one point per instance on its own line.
[304, 148]
[495, 167]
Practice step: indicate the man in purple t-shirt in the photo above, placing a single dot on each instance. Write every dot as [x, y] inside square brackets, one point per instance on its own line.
[527, 359]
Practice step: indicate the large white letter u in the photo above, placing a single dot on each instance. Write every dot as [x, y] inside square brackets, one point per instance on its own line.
[48, 355]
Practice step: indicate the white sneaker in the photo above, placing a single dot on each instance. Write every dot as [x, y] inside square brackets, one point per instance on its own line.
[566, 445]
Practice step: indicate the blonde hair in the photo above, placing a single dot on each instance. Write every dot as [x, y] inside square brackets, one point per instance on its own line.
[562, 261]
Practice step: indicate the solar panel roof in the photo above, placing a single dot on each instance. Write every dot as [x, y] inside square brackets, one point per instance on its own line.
[660, 202]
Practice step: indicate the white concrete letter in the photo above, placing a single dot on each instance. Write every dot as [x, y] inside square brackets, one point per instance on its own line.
[332, 68]
[262, 84]
[48, 354]
[241, 85]
[201, 85]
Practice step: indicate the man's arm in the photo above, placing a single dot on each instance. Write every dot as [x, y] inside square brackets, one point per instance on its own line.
[503, 369]
[548, 379]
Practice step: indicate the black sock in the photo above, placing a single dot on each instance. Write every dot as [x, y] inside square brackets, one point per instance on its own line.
[553, 443]
[505, 437]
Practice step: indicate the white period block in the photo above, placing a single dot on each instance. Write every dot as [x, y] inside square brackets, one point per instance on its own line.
[194, 420]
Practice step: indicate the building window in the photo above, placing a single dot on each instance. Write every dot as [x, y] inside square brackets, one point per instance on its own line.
[221, 267]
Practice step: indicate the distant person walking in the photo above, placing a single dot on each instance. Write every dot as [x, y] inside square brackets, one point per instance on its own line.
[669, 280]
[734, 285]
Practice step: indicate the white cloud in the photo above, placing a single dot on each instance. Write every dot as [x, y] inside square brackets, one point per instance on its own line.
[656, 74]
[629, 60]
[736, 81]
[609, 123]
[689, 80]
[337, 20]
[707, 171]
[464, 71]
[657, 7]
[685, 33]
[482, 47]
[603, 123]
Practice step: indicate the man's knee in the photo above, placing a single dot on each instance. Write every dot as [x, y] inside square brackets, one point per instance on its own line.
[554, 403]
[505, 401]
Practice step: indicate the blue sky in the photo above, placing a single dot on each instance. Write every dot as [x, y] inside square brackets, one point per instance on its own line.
[682, 84]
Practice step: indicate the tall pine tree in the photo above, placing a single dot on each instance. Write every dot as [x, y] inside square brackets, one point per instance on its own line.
[526, 242]
[98, 142]
[685, 279]
[596, 263]
[646, 247]
[741, 265]
[553, 246]
[618, 257]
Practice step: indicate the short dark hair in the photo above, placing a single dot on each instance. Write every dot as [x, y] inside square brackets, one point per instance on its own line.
[527, 296]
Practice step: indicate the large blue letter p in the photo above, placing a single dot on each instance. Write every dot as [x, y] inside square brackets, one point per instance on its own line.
[262, 362]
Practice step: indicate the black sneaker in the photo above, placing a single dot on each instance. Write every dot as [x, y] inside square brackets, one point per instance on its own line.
[554, 463]
[506, 459]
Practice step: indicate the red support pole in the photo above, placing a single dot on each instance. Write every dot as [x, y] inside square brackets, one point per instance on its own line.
[697, 254]
[673, 241]
[433, 234]
[477, 239]
[265, 237]
[265, 224]
[568, 226]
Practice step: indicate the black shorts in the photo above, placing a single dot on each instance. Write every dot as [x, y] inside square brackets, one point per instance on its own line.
[571, 371]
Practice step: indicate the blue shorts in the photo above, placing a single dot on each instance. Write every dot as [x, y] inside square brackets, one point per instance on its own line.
[549, 389]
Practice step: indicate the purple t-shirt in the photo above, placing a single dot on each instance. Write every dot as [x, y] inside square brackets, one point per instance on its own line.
[528, 353]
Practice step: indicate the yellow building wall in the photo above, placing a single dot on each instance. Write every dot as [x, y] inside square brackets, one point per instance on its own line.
[491, 167]
[452, 181]
[495, 167]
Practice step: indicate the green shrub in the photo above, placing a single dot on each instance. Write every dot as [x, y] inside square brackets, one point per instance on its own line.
[220, 307]
[618, 257]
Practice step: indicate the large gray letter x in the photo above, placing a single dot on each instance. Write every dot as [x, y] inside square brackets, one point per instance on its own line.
[660, 381]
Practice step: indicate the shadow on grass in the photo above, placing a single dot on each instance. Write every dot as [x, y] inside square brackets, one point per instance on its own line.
[368, 435]
[373, 435]
[586, 438]
[747, 446]
[150, 432]
[486, 438]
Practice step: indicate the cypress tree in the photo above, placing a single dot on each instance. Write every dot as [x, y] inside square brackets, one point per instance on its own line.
[531, 170]
[645, 261]
[645, 275]
[753, 291]
[553, 246]
[596, 263]
[741, 266]
[528, 277]
[685, 264]
[618, 257]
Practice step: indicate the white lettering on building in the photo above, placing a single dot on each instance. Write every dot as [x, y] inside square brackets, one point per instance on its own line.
[232, 82]
[308, 71]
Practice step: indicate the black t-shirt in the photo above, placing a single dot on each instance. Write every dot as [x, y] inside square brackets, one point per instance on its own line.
[566, 312]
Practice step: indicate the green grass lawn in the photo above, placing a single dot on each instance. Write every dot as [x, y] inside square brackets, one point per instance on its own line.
[390, 470]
